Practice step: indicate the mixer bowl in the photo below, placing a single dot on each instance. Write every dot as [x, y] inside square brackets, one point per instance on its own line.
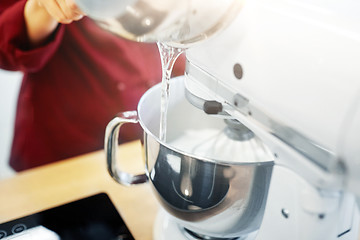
[220, 198]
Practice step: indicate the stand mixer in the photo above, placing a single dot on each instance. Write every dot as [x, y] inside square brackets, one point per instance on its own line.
[284, 75]
[286, 70]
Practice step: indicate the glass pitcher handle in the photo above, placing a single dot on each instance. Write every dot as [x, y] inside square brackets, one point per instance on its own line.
[111, 145]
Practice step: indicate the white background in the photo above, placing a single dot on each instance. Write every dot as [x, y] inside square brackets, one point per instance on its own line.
[9, 88]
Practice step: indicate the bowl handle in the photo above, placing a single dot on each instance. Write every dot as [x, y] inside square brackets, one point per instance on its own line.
[111, 145]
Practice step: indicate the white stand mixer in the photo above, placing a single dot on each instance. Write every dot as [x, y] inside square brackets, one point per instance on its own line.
[287, 70]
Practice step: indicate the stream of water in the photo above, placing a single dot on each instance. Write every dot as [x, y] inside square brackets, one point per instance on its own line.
[168, 55]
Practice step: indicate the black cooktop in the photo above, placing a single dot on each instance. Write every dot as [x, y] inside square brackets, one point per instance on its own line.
[94, 217]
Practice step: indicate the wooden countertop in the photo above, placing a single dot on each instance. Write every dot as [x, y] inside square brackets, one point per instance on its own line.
[52, 185]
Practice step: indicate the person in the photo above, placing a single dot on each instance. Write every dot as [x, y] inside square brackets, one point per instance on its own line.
[76, 78]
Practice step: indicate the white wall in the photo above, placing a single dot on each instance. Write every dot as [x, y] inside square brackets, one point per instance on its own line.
[9, 88]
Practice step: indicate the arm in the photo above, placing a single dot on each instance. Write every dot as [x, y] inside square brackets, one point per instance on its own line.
[30, 33]
[43, 16]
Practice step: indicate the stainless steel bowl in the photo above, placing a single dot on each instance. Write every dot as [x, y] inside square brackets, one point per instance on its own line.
[178, 23]
[221, 198]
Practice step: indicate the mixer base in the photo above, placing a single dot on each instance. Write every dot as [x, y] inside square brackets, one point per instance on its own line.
[166, 228]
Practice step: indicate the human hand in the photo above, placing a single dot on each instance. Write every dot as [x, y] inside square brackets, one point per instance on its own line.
[63, 11]
[43, 16]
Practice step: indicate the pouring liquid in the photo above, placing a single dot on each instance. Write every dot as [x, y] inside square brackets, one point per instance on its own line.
[168, 56]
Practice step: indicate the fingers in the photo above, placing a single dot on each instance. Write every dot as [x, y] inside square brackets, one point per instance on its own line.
[70, 9]
[63, 11]
[54, 10]
[73, 7]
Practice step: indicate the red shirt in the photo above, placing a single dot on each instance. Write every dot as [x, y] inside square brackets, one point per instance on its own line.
[73, 86]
